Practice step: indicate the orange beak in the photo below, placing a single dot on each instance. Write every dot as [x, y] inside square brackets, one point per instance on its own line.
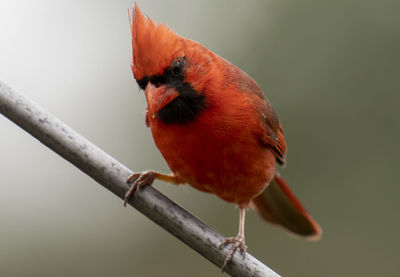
[159, 97]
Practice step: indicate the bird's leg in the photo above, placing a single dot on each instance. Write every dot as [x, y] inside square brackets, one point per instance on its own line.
[237, 242]
[140, 179]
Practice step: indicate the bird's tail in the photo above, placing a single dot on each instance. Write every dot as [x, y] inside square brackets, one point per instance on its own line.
[278, 205]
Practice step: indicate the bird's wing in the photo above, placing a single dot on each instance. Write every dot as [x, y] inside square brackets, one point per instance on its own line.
[271, 129]
[270, 132]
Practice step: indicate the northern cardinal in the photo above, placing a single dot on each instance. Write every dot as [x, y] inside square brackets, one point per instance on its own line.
[214, 127]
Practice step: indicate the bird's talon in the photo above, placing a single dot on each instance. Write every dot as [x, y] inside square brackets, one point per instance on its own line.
[133, 177]
[138, 180]
[237, 242]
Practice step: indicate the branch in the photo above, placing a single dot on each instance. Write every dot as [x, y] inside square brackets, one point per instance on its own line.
[112, 175]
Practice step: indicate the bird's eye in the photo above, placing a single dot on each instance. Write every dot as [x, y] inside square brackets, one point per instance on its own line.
[177, 66]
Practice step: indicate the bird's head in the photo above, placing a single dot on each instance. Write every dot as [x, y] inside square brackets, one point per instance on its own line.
[172, 70]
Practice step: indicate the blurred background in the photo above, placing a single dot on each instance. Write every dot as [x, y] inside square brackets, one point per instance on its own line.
[331, 70]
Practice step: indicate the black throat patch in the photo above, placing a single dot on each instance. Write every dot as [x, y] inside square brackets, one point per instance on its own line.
[188, 105]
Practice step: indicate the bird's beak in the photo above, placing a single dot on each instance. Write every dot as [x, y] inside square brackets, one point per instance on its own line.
[159, 97]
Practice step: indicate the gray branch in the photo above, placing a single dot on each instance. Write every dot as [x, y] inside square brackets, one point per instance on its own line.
[112, 175]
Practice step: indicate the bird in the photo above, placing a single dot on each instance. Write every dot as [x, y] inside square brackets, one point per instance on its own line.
[214, 127]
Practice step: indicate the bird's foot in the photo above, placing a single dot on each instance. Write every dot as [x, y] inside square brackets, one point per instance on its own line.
[237, 242]
[138, 180]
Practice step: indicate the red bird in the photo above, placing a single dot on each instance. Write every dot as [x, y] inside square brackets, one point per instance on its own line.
[214, 127]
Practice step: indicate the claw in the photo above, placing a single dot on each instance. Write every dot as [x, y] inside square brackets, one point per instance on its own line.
[237, 242]
[138, 180]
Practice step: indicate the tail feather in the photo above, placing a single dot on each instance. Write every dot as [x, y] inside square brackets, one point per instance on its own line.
[278, 205]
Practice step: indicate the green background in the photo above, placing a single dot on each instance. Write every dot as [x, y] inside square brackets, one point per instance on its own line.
[331, 70]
